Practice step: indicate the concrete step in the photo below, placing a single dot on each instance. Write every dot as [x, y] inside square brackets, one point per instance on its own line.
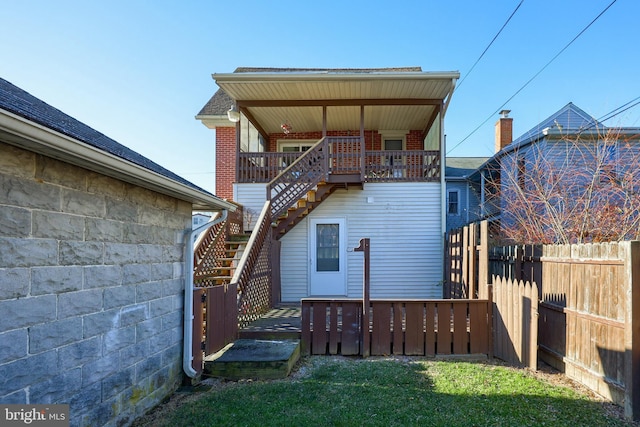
[253, 359]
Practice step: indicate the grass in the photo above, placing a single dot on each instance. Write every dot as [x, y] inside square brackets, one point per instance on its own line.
[395, 392]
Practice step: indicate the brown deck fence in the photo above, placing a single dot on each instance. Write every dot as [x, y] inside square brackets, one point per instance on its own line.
[412, 327]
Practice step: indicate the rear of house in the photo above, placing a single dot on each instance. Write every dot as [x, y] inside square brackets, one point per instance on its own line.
[341, 154]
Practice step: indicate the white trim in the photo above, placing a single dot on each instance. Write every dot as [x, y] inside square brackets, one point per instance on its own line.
[295, 142]
[393, 134]
[342, 245]
[216, 121]
[338, 76]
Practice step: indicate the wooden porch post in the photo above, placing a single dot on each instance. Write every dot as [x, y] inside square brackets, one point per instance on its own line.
[366, 287]
[324, 121]
[363, 147]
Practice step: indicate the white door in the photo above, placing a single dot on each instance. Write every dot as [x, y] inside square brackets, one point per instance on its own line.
[328, 257]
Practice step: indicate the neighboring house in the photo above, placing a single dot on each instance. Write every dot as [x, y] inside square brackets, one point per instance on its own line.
[92, 266]
[198, 219]
[343, 154]
[462, 200]
[564, 151]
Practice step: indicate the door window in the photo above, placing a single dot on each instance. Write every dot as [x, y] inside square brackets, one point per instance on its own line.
[327, 247]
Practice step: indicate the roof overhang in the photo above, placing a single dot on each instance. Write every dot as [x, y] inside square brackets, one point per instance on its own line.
[389, 100]
[26, 134]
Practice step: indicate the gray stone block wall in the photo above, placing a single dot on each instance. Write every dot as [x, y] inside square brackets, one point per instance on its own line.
[91, 290]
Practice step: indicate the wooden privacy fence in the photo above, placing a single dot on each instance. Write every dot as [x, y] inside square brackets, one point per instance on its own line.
[466, 256]
[413, 327]
[590, 317]
[588, 307]
[515, 321]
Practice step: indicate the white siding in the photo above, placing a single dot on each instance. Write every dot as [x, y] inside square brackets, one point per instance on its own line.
[252, 198]
[403, 222]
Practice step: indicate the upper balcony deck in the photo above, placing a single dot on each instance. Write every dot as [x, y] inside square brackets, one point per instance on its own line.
[348, 161]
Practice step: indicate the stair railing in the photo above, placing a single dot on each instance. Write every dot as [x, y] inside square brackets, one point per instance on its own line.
[301, 176]
[253, 274]
[210, 247]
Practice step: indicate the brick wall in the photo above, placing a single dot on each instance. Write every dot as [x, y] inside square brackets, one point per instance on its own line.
[225, 161]
[91, 290]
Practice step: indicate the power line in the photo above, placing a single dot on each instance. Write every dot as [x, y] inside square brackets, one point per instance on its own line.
[534, 76]
[611, 114]
[490, 43]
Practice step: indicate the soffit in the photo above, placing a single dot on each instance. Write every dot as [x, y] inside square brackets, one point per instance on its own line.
[404, 100]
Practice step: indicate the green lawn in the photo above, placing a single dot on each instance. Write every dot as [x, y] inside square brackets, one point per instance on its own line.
[401, 392]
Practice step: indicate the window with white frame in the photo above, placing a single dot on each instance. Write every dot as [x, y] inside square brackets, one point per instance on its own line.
[299, 146]
[394, 141]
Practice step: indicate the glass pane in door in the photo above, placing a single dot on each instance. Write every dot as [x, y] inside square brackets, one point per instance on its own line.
[327, 247]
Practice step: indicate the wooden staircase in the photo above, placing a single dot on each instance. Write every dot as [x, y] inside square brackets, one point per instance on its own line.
[303, 207]
[226, 266]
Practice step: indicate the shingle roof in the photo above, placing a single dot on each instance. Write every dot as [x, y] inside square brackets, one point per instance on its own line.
[23, 104]
[458, 167]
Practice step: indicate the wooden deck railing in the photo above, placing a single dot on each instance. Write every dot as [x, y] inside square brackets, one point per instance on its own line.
[253, 274]
[412, 327]
[210, 248]
[345, 159]
[302, 175]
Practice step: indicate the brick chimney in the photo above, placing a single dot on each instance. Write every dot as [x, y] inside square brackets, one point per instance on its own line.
[504, 130]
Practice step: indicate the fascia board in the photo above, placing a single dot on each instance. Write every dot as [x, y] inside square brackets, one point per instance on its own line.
[215, 121]
[331, 76]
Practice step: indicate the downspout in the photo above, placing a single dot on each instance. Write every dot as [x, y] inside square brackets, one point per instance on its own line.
[187, 350]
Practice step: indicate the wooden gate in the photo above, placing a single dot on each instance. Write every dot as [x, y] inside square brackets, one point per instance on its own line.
[515, 322]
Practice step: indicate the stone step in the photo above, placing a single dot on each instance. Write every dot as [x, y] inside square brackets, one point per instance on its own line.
[253, 359]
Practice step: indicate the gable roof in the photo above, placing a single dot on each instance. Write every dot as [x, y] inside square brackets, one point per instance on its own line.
[568, 119]
[82, 145]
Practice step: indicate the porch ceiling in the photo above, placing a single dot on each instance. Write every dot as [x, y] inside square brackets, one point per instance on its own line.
[391, 100]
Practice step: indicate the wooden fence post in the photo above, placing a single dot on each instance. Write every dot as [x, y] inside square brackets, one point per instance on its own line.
[632, 333]
[366, 287]
[472, 254]
[490, 320]
[483, 260]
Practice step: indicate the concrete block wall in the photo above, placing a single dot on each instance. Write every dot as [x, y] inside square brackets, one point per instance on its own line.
[91, 290]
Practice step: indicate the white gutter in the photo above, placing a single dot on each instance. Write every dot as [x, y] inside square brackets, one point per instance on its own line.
[187, 350]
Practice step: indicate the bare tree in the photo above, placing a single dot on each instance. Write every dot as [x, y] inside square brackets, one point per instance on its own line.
[577, 188]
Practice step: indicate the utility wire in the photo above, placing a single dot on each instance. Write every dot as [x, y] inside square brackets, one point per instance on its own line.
[532, 78]
[487, 48]
[611, 114]
[615, 112]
